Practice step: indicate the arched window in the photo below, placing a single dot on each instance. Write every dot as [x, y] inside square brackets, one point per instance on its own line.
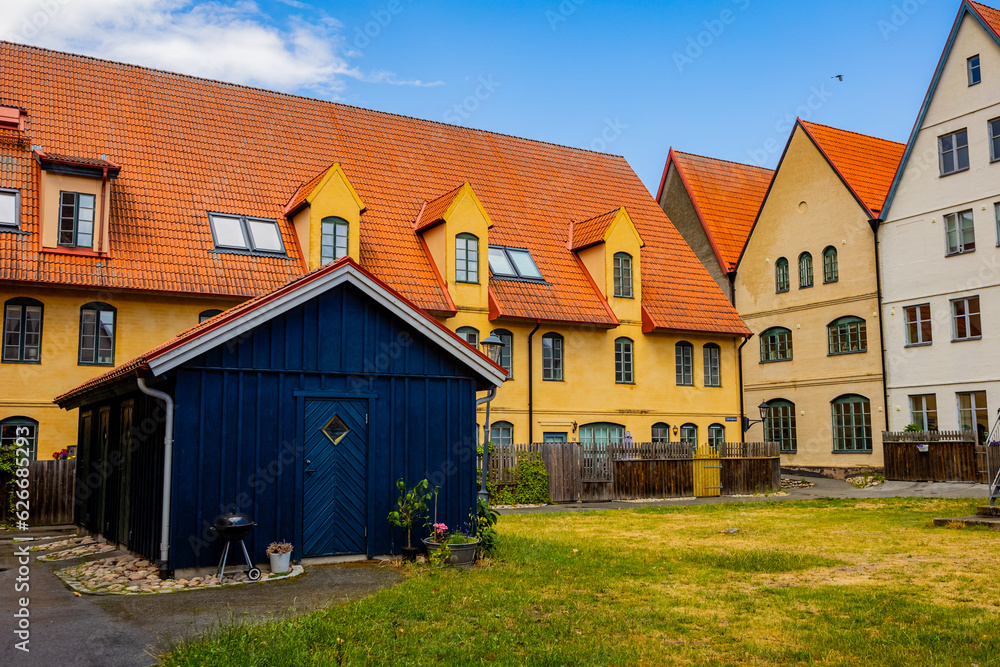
[622, 265]
[831, 273]
[207, 315]
[602, 434]
[684, 364]
[689, 434]
[716, 435]
[852, 424]
[781, 275]
[466, 258]
[502, 433]
[22, 432]
[22, 331]
[805, 270]
[661, 432]
[333, 239]
[847, 335]
[780, 425]
[97, 334]
[507, 351]
[552, 357]
[624, 362]
[469, 335]
[595, 439]
[776, 345]
[713, 365]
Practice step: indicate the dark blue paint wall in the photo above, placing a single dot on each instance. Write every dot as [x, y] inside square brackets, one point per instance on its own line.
[238, 439]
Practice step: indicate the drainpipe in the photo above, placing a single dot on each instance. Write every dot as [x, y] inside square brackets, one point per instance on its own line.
[875, 222]
[531, 374]
[168, 451]
[739, 365]
[483, 493]
[104, 195]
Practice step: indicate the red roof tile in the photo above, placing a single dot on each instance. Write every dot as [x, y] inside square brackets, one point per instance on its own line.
[591, 231]
[188, 146]
[989, 14]
[727, 196]
[433, 211]
[867, 164]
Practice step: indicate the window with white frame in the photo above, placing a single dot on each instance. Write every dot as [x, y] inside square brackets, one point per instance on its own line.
[713, 365]
[960, 232]
[244, 233]
[661, 432]
[333, 239]
[923, 411]
[624, 367]
[684, 364]
[953, 150]
[994, 131]
[972, 413]
[10, 209]
[97, 335]
[966, 324]
[76, 220]
[502, 433]
[466, 258]
[469, 335]
[917, 320]
[975, 73]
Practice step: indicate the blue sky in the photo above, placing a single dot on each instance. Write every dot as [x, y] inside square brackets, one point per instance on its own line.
[723, 78]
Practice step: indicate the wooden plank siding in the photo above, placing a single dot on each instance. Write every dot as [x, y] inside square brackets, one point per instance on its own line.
[50, 488]
[950, 456]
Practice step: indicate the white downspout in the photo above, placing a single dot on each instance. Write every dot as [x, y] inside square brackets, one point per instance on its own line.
[168, 451]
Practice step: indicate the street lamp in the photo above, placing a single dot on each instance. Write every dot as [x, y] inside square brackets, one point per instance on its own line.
[764, 410]
[493, 348]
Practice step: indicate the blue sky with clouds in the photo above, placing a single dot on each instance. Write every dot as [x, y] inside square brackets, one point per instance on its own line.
[723, 78]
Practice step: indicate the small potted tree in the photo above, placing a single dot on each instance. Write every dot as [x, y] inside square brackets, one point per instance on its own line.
[279, 553]
[411, 505]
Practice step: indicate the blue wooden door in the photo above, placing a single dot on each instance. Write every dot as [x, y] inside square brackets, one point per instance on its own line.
[334, 488]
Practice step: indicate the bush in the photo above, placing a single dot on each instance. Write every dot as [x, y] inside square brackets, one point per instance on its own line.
[531, 483]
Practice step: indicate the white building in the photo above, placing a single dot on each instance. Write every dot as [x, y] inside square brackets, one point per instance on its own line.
[940, 242]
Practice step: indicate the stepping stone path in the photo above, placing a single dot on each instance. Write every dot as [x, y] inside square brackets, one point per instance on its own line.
[62, 544]
[132, 575]
[85, 549]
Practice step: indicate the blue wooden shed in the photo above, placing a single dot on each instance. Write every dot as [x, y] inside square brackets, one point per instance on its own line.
[300, 408]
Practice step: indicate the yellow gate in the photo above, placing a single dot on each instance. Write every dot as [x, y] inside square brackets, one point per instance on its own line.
[707, 472]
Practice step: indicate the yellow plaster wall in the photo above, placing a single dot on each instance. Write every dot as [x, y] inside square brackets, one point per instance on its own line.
[809, 209]
[623, 237]
[466, 216]
[334, 197]
[143, 322]
[51, 185]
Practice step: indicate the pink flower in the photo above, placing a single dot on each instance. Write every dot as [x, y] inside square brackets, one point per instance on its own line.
[440, 528]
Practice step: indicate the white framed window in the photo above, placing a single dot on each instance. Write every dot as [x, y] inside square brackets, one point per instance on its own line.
[994, 132]
[973, 414]
[76, 219]
[502, 433]
[240, 232]
[661, 432]
[975, 72]
[469, 335]
[960, 232]
[966, 323]
[333, 239]
[954, 152]
[917, 321]
[97, 335]
[923, 411]
[10, 209]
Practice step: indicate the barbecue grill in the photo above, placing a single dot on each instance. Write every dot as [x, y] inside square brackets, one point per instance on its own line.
[233, 527]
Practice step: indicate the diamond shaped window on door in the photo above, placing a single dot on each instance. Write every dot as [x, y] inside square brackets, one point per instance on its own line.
[335, 430]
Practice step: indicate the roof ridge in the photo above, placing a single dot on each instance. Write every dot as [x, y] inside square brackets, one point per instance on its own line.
[268, 91]
[858, 134]
[719, 159]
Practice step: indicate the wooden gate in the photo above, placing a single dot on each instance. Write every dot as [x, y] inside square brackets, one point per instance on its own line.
[707, 472]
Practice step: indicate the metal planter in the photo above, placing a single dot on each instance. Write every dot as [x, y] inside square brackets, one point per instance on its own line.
[461, 554]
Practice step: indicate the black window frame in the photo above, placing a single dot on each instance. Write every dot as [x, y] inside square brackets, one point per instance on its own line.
[621, 376]
[553, 357]
[515, 273]
[15, 226]
[621, 263]
[956, 148]
[208, 314]
[831, 265]
[23, 303]
[684, 364]
[98, 307]
[249, 248]
[75, 231]
[337, 224]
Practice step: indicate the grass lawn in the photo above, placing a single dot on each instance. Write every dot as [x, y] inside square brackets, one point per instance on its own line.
[832, 582]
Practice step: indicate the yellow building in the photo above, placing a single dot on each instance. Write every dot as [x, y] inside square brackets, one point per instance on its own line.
[118, 237]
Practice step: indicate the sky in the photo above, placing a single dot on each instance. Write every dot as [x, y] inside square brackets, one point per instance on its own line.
[724, 78]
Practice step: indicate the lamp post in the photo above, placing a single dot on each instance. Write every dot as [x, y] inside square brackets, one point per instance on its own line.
[492, 348]
[764, 410]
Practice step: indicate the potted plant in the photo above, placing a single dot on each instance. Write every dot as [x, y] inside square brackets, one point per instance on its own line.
[279, 553]
[411, 505]
[456, 547]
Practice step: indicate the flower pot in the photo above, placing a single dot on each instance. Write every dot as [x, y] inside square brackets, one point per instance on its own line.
[923, 448]
[410, 554]
[461, 554]
[280, 562]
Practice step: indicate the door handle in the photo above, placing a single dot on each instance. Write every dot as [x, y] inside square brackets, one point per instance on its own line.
[309, 472]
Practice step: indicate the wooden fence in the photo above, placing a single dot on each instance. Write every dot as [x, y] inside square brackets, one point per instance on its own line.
[936, 456]
[588, 472]
[50, 493]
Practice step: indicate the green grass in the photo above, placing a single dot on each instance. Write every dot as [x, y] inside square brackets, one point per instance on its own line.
[839, 582]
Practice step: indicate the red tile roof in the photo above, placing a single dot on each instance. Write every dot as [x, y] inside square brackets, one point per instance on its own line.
[188, 146]
[78, 161]
[433, 211]
[989, 14]
[867, 164]
[727, 196]
[591, 231]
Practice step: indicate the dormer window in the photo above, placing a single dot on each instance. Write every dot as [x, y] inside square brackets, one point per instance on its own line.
[333, 239]
[76, 219]
[10, 209]
[466, 258]
[243, 233]
[513, 263]
[623, 275]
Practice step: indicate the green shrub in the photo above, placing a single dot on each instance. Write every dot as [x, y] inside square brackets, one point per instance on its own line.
[531, 483]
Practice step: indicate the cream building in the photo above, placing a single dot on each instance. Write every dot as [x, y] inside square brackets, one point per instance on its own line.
[806, 286]
[940, 241]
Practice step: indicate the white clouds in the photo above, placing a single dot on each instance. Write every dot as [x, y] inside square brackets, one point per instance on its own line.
[234, 42]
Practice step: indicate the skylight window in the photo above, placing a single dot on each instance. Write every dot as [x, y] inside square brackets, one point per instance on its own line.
[239, 232]
[513, 263]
